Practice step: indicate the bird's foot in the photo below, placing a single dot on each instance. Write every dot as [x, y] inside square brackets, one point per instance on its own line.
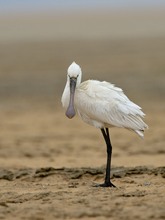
[105, 184]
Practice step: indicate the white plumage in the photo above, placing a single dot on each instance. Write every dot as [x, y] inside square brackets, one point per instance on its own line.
[100, 104]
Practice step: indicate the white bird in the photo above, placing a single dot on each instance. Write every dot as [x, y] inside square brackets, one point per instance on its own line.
[101, 105]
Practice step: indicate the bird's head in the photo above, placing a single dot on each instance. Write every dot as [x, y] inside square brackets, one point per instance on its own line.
[74, 72]
[74, 79]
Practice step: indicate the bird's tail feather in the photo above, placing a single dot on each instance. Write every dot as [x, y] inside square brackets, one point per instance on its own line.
[140, 133]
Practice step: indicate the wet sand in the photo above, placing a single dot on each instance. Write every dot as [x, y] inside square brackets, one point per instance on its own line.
[50, 164]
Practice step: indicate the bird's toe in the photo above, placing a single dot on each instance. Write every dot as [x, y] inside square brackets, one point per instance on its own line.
[106, 184]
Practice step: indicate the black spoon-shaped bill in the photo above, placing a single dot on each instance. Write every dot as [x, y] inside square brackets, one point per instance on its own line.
[70, 112]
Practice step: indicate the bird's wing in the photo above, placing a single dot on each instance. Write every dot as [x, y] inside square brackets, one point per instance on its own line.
[103, 102]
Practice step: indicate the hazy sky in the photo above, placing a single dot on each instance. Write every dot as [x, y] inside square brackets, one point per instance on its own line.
[33, 5]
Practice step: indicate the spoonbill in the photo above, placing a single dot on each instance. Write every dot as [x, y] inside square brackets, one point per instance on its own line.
[102, 105]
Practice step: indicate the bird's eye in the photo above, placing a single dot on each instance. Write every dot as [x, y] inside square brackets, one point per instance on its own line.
[73, 76]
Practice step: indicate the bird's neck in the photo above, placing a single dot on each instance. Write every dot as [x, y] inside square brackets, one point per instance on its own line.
[78, 80]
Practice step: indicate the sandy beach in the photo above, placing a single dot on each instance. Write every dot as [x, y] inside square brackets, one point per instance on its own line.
[48, 163]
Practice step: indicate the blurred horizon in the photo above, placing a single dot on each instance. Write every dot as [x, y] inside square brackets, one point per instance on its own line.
[122, 42]
[16, 6]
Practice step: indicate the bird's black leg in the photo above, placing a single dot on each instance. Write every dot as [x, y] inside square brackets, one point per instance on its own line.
[107, 182]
